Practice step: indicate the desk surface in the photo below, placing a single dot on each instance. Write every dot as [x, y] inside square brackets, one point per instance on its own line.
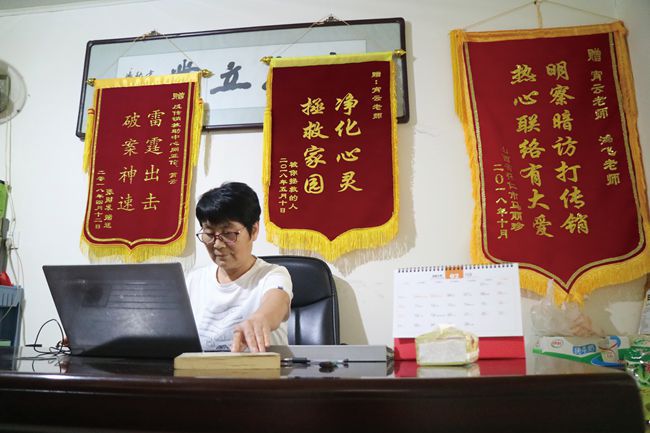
[539, 394]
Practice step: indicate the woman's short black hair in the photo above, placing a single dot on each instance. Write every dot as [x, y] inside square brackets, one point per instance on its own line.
[232, 201]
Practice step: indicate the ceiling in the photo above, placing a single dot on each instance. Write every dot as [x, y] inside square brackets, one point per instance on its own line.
[16, 7]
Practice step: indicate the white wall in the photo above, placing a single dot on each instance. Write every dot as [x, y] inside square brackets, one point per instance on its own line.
[49, 187]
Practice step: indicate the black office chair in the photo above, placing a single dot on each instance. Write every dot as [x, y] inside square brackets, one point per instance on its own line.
[314, 315]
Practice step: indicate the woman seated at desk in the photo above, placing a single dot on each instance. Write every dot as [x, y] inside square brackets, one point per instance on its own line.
[239, 301]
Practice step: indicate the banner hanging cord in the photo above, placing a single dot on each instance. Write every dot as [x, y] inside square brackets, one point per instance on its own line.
[537, 4]
[328, 19]
[204, 72]
[499, 15]
[579, 9]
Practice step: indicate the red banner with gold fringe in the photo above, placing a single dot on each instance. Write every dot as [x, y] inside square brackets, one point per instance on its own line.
[550, 125]
[141, 144]
[330, 160]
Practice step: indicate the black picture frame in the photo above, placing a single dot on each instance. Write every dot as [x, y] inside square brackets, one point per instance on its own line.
[214, 50]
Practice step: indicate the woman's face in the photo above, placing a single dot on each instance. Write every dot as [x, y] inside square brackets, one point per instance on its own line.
[232, 247]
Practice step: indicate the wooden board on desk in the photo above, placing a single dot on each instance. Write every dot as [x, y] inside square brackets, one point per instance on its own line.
[227, 361]
[248, 373]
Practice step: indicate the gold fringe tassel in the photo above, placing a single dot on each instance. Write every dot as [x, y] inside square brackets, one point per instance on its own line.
[141, 253]
[144, 252]
[614, 273]
[311, 240]
[90, 135]
[463, 109]
[456, 38]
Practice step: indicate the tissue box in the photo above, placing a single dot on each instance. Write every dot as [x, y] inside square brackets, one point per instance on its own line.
[605, 351]
[446, 345]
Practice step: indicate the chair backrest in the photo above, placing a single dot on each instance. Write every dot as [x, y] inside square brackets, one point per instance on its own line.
[314, 309]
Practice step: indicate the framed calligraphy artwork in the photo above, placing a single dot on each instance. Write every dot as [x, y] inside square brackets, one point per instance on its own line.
[235, 95]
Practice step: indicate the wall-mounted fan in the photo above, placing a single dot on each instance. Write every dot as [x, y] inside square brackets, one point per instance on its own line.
[13, 92]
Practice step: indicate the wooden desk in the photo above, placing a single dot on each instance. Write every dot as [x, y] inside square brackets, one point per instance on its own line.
[541, 394]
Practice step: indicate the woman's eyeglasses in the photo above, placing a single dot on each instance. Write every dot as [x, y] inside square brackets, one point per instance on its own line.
[210, 238]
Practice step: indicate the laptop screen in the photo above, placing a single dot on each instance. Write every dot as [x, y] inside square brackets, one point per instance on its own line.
[126, 310]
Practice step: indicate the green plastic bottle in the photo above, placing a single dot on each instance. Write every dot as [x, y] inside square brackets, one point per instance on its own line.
[3, 199]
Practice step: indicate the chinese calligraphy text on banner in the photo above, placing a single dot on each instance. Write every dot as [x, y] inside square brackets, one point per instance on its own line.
[550, 125]
[141, 144]
[330, 163]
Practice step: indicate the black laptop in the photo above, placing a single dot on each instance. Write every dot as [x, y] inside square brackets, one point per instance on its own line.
[134, 310]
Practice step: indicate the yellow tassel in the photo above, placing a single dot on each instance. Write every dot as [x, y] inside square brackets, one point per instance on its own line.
[458, 70]
[89, 138]
[631, 112]
[285, 62]
[151, 80]
[554, 32]
[138, 254]
[266, 156]
[197, 128]
[463, 110]
[330, 250]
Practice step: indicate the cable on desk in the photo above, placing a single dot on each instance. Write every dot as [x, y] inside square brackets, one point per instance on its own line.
[59, 349]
